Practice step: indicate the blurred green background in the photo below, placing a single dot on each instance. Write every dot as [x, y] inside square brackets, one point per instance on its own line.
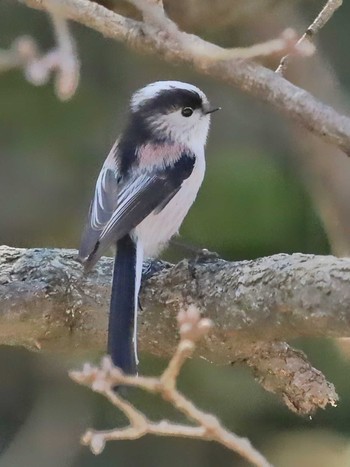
[270, 187]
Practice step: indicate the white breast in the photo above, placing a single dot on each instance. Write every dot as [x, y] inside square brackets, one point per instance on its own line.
[157, 229]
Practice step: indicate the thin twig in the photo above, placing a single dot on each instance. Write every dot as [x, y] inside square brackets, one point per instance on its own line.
[68, 66]
[154, 14]
[249, 77]
[61, 61]
[22, 51]
[105, 378]
[306, 39]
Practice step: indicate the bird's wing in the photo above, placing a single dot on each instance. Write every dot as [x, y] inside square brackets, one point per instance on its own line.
[138, 196]
[102, 206]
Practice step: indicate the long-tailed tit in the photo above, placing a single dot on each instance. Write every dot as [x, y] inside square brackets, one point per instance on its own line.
[145, 188]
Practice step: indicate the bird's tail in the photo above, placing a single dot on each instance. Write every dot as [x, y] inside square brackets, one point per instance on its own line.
[122, 336]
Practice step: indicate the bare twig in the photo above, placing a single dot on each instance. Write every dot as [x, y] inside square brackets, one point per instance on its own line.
[22, 52]
[68, 66]
[306, 39]
[154, 14]
[61, 61]
[251, 78]
[208, 427]
[286, 42]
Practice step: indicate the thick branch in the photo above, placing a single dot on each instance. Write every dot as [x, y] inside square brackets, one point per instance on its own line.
[176, 46]
[46, 302]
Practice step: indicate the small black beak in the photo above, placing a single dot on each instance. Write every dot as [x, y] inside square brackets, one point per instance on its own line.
[210, 111]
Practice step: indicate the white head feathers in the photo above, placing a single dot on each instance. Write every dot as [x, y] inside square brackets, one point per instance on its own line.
[175, 110]
[151, 90]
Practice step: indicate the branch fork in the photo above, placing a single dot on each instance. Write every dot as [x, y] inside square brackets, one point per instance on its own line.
[102, 380]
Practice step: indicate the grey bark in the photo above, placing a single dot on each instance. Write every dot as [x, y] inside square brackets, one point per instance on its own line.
[46, 298]
[47, 302]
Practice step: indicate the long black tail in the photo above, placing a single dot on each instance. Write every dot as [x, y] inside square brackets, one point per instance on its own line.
[124, 303]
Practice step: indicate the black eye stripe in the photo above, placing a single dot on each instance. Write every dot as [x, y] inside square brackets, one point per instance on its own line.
[168, 100]
[187, 111]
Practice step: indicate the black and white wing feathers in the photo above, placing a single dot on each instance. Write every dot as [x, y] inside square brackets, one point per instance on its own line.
[135, 197]
[102, 207]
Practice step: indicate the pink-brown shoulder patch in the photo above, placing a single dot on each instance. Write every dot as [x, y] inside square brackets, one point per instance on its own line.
[150, 155]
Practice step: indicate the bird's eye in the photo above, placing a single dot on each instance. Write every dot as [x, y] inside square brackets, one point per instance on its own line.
[187, 111]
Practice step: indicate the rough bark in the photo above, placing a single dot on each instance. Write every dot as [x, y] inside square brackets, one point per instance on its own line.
[47, 302]
[45, 297]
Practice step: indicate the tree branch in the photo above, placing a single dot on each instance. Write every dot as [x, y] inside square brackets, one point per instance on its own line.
[319, 22]
[287, 373]
[207, 427]
[46, 302]
[277, 297]
[207, 58]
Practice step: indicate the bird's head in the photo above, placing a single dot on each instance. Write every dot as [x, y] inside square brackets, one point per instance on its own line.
[173, 111]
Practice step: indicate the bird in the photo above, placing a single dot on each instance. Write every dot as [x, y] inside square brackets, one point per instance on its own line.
[144, 190]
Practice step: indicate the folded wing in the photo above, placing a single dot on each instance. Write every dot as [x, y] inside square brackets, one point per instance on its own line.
[119, 206]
